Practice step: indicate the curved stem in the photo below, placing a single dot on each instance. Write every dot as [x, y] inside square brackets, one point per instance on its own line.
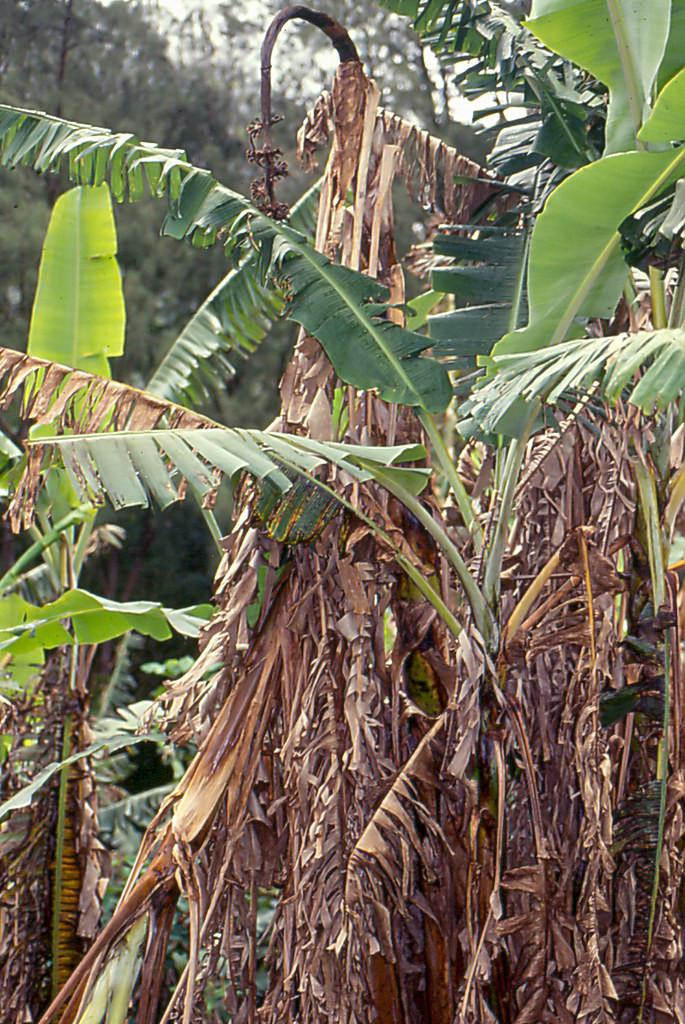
[341, 41]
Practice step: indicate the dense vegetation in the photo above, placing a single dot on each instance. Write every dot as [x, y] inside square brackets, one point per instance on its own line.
[428, 763]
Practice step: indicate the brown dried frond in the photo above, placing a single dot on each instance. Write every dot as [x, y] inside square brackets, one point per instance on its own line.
[427, 165]
[73, 400]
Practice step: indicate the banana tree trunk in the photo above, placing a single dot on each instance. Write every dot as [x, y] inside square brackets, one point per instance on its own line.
[53, 869]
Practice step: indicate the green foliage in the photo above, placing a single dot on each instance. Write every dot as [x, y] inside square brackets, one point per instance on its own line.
[612, 362]
[675, 47]
[452, 26]
[584, 276]
[129, 468]
[117, 69]
[106, 745]
[340, 307]
[666, 123]
[172, 668]
[488, 282]
[78, 313]
[134, 169]
[555, 111]
[622, 44]
[26, 628]
[645, 697]
[234, 318]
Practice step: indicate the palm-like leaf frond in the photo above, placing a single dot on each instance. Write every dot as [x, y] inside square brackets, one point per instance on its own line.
[488, 283]
[233, 320]
[74, 400]
[612, 363]
[455, 27]
[343, 309]
[91, 155]
[138, 463]
[492, 51]
[130, 468]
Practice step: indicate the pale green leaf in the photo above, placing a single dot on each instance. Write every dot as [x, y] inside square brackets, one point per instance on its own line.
[666, 123]
[25, 627]
[419, 308]
[576, 268]
[610, 363]
[675, 47]
[621, 42]
[111, 994]
[78, 313]
[205, 454]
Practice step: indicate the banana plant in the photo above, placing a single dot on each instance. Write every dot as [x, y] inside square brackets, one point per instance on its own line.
[576, 364]
[492, 738]
[343, 309]
[47, 647]
[577, 276]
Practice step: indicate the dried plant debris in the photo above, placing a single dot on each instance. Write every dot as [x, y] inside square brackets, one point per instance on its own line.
[435, 174]
[46, 923]
[302, 722]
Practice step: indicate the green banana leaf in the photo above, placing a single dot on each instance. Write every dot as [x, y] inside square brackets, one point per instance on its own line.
[233, 320]
[622, 44]
[25, 628]
[611, 362]
[666, 123]
[131, 467]
[675, 48]
[343, 309]
[488, 283]
[576, 268]
[78, 313]
[109, 744]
